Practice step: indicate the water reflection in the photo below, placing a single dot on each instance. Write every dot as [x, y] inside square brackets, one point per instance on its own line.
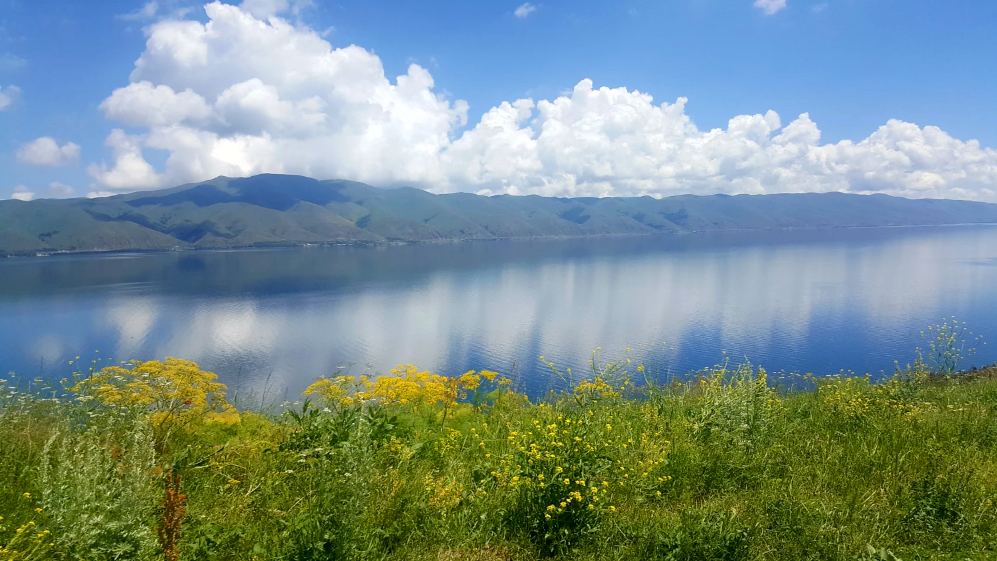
[800, 301]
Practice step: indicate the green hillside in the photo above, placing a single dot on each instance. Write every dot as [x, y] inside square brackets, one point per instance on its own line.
[286, 209]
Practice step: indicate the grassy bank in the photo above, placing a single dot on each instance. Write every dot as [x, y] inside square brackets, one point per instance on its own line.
[150, 461]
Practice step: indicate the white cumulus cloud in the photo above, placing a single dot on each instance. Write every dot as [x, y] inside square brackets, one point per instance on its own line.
[22, 193]
[8, 95]
[143, 105]
[240, 95]
[131, 171]
[524, 10]
[770, 6]
[45, 151]
[237, 96]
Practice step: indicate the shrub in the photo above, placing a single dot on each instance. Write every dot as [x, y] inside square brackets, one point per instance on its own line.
[559, 472]
[98, 492]
[948, 345]
[737, 409]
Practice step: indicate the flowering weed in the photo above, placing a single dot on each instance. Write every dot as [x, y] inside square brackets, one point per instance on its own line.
[417, 465]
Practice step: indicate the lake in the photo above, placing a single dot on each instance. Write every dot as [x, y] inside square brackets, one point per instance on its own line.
[270, 321]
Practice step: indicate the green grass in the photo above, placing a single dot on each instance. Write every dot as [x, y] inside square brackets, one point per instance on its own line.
[722, 467]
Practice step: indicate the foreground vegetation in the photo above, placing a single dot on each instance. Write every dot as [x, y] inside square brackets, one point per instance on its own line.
[149, 461]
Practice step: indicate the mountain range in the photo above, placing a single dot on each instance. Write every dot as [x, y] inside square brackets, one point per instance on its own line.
[268, 210]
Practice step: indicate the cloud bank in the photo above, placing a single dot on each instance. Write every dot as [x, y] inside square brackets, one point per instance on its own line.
[245, 94]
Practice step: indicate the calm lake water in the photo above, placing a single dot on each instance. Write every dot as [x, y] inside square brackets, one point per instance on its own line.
[792, 301]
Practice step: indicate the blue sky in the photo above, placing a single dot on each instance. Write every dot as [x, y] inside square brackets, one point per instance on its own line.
[852, 66]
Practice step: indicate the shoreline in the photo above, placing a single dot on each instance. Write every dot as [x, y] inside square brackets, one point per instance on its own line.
[389, 243]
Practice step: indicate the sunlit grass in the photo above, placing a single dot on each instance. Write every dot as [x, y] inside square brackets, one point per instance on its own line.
[149, 461]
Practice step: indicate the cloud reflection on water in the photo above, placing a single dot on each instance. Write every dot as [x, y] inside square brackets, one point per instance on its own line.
[787, 300]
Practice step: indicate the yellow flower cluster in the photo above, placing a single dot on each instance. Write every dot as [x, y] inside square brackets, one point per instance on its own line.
[175, 391]
[336, 391]
[595, 389]
[856, 397]
[404, 385]
[27, 542]
[849, 396]
[452, 441]
[568, 467]
[444, 493]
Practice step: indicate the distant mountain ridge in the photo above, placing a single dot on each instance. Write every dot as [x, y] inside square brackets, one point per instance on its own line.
[267, 210]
